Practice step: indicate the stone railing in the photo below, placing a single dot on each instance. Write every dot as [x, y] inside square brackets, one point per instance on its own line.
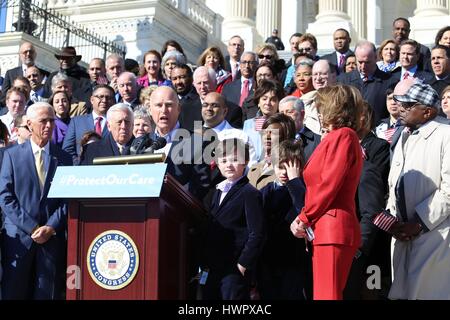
[196, 10]
[200, 14]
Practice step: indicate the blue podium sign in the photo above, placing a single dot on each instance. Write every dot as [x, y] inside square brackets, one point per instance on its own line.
[126, 181]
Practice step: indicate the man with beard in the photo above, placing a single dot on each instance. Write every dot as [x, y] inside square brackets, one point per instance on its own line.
[68, 65]
[182, 80]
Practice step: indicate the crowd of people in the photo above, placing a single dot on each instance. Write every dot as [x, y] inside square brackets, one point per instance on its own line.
[313, 169]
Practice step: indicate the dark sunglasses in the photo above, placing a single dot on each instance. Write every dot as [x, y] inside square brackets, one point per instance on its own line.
[262, 56]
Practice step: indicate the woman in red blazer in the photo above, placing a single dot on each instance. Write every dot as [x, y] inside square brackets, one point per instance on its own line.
[331, 177]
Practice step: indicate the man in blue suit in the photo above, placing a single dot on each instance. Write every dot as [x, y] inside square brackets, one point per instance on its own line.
[33, 240]
[102, 99]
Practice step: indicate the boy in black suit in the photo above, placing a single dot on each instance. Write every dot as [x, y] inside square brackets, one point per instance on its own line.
[285, 264]
[234, 233]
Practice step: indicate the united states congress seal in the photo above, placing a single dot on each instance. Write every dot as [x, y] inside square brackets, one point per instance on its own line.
[113, 260]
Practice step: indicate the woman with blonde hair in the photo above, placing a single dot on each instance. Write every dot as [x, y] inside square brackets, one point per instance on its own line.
[213, 58]
[332, 175]
[268, 53]
[388, 56]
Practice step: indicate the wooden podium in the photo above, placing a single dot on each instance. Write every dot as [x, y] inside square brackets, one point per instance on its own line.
[163, 230]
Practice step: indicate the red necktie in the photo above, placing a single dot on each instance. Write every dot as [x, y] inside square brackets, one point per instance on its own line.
[406, 75]
[98, 125]
[245, 92]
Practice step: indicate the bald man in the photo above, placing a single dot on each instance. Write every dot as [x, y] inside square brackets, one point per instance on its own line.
[27, 55]
[184, 157]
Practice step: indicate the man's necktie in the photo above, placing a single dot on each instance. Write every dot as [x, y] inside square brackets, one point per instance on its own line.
[39, 160]
[406, 75]
[341, 61]
[245, 92]
[98, 125]
[120, 149]
[235, 70]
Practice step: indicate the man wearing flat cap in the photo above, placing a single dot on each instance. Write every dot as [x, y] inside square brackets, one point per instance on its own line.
[419, 198]
[68, 65]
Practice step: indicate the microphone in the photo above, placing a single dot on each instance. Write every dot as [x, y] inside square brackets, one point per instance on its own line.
[156, 145]
[145, 145]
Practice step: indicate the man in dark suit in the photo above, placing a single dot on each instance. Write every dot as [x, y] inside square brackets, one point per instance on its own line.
[400, 32]
[27, 54]
[128, 89]
[102, 99]
[440, 62]
[235, 49]
[33, 242]
[118, 142]
[204, 83]
[68, 65]
[182, 81]
[341, 40]
[35, 77]
[369, 80]
[183, 149]
[238, 90]
[97, 76]
[295, 109]
[409, 58]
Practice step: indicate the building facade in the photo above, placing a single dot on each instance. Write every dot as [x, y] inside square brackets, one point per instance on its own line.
[140, 25]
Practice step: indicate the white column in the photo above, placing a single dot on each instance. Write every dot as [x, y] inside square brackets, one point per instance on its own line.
[331, 16]
[238, 22]
[268, 16]
[332, 10]
[429, 17]
[426, 8]
[237, 11]
[292, 13]
[357, 10]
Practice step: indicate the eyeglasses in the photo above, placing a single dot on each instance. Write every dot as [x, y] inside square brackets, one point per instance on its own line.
[247, 62]
[408, 105]
[304, 49]
[103, 97]
[265, 56]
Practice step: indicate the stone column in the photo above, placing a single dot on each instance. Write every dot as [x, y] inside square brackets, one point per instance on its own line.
[426, 8]
[237, 11]
[357, 10]
[238, 22]
[268, 17]
[429, 17]
[331, 16]
[332, 10]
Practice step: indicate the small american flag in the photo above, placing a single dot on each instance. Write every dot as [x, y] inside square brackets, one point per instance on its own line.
[259, 123]
[112, 264]
[388, 134]
[384, 220]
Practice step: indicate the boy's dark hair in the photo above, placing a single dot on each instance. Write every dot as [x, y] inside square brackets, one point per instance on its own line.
[231, 146]
[290, 150]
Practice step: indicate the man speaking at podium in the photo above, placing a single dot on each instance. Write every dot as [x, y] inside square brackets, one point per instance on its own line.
[33, 242]
[165, 109]
[120, 120]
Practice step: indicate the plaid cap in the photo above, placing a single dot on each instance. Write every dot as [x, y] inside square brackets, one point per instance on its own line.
[421, 93]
